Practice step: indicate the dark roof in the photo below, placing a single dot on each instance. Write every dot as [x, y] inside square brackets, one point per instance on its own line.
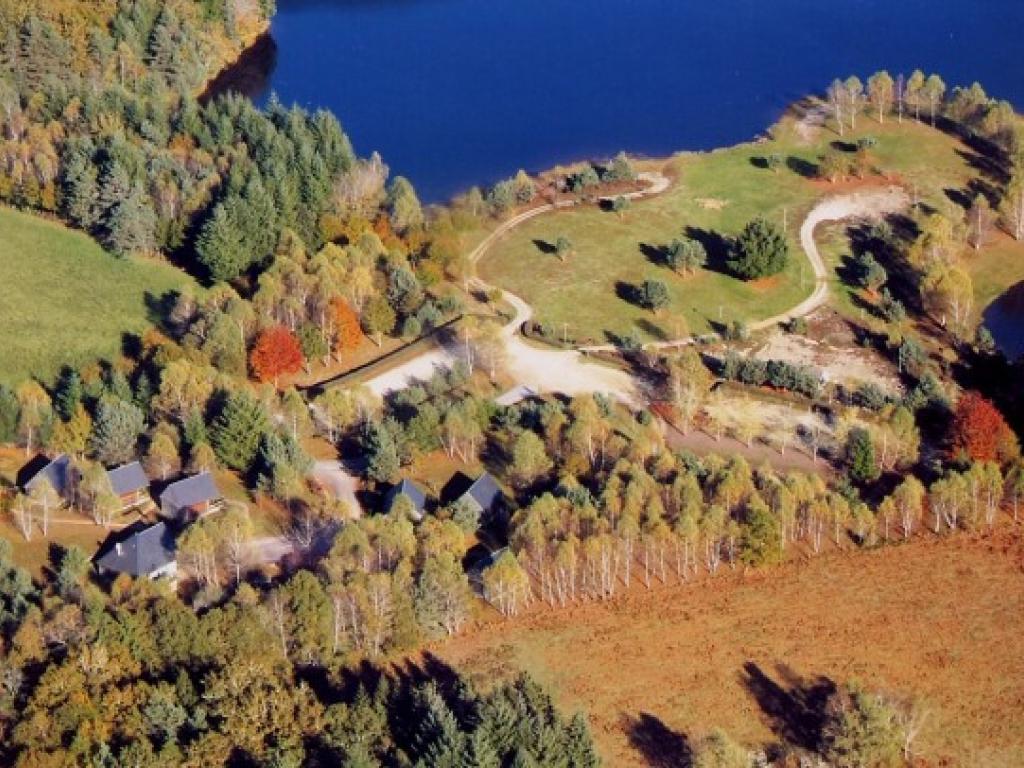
[188, 493]
[139, 550]
[127, 478]
[57, 471]
[407, 488]
[484, 491]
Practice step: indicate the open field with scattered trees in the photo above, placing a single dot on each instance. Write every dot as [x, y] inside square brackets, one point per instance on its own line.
[273, 586]
[753, 652]
[586, 291]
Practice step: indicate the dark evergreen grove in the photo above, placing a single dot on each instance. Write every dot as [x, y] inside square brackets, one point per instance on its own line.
[119, 146]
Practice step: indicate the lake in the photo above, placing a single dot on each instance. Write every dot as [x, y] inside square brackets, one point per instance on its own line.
[1004, 317]
[460, 92]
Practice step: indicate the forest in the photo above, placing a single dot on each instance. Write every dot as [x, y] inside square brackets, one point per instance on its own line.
[307, 254]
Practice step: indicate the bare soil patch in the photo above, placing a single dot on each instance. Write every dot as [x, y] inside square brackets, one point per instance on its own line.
[941, 618]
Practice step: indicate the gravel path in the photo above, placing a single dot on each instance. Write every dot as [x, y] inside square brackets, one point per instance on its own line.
[534, 368]
[538, 369]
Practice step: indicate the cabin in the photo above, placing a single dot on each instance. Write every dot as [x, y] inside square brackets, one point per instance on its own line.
[140, 551]
[57, 471]
[191, 498]
[484, 496]
[413, 492]
[130, 484]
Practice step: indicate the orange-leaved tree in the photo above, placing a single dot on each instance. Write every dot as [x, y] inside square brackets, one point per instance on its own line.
[277, 353]
[348, 333]
[980, 433]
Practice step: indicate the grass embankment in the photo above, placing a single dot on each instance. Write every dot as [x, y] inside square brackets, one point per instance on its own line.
[66, 301]
[718, 192]
[655, 670]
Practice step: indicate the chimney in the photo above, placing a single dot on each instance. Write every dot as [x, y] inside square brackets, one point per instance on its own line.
[117, 548]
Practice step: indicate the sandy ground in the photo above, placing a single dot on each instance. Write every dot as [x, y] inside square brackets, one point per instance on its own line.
[419, 368]
[844, 364]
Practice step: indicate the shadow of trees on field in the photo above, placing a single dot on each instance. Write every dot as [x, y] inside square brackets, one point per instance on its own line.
[792, 706]
[715, 244]
[660, 746]
[654, 253]
[653, 330]
[802, 167]
[545, 247]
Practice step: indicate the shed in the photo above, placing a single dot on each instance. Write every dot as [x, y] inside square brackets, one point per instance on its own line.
[129, 483]
[485, 496]
[190, 498]
[58, 471]
[414, 493]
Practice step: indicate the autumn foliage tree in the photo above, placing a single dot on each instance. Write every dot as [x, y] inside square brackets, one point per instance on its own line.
[980, 433]
[277, 353]
[347, 331]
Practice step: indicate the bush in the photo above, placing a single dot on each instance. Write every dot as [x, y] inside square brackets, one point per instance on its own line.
[652, 295]
[797, 325]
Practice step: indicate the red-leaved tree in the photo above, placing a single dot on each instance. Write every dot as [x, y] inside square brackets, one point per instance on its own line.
[980, 433]
[277, 353]
[348, 333]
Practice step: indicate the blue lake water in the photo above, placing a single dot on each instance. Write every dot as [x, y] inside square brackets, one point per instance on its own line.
[461, 92]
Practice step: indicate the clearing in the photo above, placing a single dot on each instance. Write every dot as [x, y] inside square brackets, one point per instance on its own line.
[941, 618]
[714, 195]
[66, 301]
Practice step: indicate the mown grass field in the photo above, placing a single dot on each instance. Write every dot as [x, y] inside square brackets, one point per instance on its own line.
[718, 192]
[656, 670]
[64, 300]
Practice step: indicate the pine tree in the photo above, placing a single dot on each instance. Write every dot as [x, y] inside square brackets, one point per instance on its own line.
[220, 247]
[478, 751]
[760, 250]
[131, 226]
[579, 747]
[438, 742]
[67, 394]
[116, 430]
[381, 452]
[237, 431]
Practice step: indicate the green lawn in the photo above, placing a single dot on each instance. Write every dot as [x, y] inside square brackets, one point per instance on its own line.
[64, 300]
[716, 192]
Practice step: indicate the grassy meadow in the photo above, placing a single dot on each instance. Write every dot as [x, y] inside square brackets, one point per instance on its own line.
[714, 195]
[64, 300]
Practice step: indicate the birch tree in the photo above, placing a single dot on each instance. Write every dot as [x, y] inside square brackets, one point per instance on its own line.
[880, 92]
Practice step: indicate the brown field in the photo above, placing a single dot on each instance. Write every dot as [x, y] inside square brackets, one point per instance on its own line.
[939, 618]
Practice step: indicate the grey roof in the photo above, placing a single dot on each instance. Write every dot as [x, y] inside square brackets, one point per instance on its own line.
[188, 493]
[57, 471]
[407, 488]
[141, 553]
[127, 478]
[484, 491]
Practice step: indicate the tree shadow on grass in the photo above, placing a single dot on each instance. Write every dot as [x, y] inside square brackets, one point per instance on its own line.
[653, 253]
[716, 245]
[545, 247]
[802, 167]
[794, 707]
[653, 330]
[626, 291]
[843, 146]
[660, 746]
